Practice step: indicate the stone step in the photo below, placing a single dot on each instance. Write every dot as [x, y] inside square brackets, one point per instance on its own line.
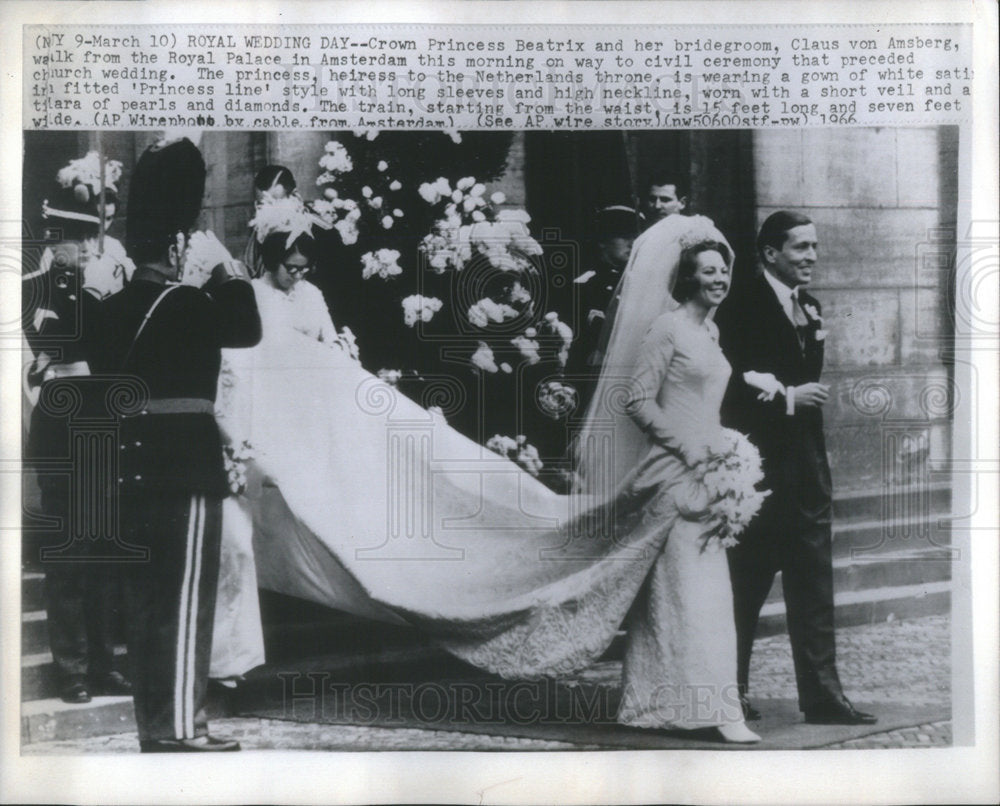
[862, 539]
[853, 608]
[49, 720]
[38, 674]
[32, 591]
[888, 501]
[881, 571]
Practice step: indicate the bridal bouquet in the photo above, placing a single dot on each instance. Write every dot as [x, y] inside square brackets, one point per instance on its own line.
[235, 458]
[730, 472]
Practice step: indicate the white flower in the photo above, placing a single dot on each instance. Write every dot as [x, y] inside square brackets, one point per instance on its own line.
[506, 367]
[465, 182]
[518, 293]
[389, 376]
[387, 222]
[498, 197]
[366, 192]
[383, 263]
[397, 212]
[501, 444]
[527, 456]
[418, 308]
[382, 165]
[486, 311]
[478, 216]
[478, 189]
[457, 196]
[455, 136]
[528, 348]
[375, 202]
[348, 232]
[483, 358]
[429, 193]
[395, 185]
[336, 160]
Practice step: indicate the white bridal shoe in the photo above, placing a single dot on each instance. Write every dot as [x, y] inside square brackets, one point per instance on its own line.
[737, 733]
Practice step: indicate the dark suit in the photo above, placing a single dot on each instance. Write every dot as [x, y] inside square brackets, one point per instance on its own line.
[792, 532]
[171, 485]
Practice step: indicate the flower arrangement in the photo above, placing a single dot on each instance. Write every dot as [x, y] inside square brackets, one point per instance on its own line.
[730, 471]
[384, 263]
[235, 458]
[418, 308]
[518, 450]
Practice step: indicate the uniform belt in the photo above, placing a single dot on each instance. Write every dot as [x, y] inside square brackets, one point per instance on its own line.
[178, 405]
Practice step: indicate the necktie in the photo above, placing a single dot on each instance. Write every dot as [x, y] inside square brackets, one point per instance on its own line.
[800, 319]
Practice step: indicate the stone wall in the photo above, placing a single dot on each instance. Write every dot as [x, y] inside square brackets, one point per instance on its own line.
[883, 201]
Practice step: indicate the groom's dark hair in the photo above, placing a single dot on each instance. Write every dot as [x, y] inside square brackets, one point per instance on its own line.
[774, 230]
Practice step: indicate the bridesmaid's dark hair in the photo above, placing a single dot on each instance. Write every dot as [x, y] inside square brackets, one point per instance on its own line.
[273, 250]
[271, 175]
[685, 285]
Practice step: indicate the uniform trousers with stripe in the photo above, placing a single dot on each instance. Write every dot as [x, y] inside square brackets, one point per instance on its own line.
[170, 608]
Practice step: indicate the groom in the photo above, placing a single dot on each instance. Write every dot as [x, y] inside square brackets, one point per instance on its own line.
[776, 327]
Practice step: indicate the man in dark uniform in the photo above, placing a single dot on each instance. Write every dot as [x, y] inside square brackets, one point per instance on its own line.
[775, 327]
[615, 229]
[60, 318]
[171, 477]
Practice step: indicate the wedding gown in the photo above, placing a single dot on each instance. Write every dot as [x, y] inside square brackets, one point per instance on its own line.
[362, 500]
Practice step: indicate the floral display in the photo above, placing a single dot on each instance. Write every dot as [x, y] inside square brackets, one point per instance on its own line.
[383, 263]
[518, 450]
[418, 308]
[730, 472]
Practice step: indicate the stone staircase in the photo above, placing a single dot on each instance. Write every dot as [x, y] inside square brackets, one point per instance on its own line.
[887, 565]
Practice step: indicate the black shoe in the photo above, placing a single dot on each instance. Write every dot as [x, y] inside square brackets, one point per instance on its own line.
[750, 714]
[112, 684]
[839, 713]
[75, 693]
[199, 744]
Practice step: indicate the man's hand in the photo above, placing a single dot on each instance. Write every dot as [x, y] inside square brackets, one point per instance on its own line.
[811, 395]
[766, 383]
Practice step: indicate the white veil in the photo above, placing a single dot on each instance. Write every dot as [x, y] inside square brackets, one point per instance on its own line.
[610, 445]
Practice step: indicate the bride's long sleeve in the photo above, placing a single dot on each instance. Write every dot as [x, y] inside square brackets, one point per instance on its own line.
[655, 355]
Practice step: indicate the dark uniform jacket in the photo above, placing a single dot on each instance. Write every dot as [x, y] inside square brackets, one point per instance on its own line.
[169, 438]
[60, 322]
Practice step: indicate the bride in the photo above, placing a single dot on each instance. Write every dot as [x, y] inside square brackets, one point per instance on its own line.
[361, 500]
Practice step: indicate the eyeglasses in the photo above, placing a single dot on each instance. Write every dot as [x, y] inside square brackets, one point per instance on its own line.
[297, 271]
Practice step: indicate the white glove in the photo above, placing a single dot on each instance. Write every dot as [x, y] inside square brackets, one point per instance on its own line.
[204, 253]
[765, 382]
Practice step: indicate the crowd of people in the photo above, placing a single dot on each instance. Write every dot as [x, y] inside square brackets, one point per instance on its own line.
[254, 450]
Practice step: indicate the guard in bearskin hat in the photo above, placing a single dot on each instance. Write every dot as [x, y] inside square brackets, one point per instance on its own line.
[171, 481]
[79, 265]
